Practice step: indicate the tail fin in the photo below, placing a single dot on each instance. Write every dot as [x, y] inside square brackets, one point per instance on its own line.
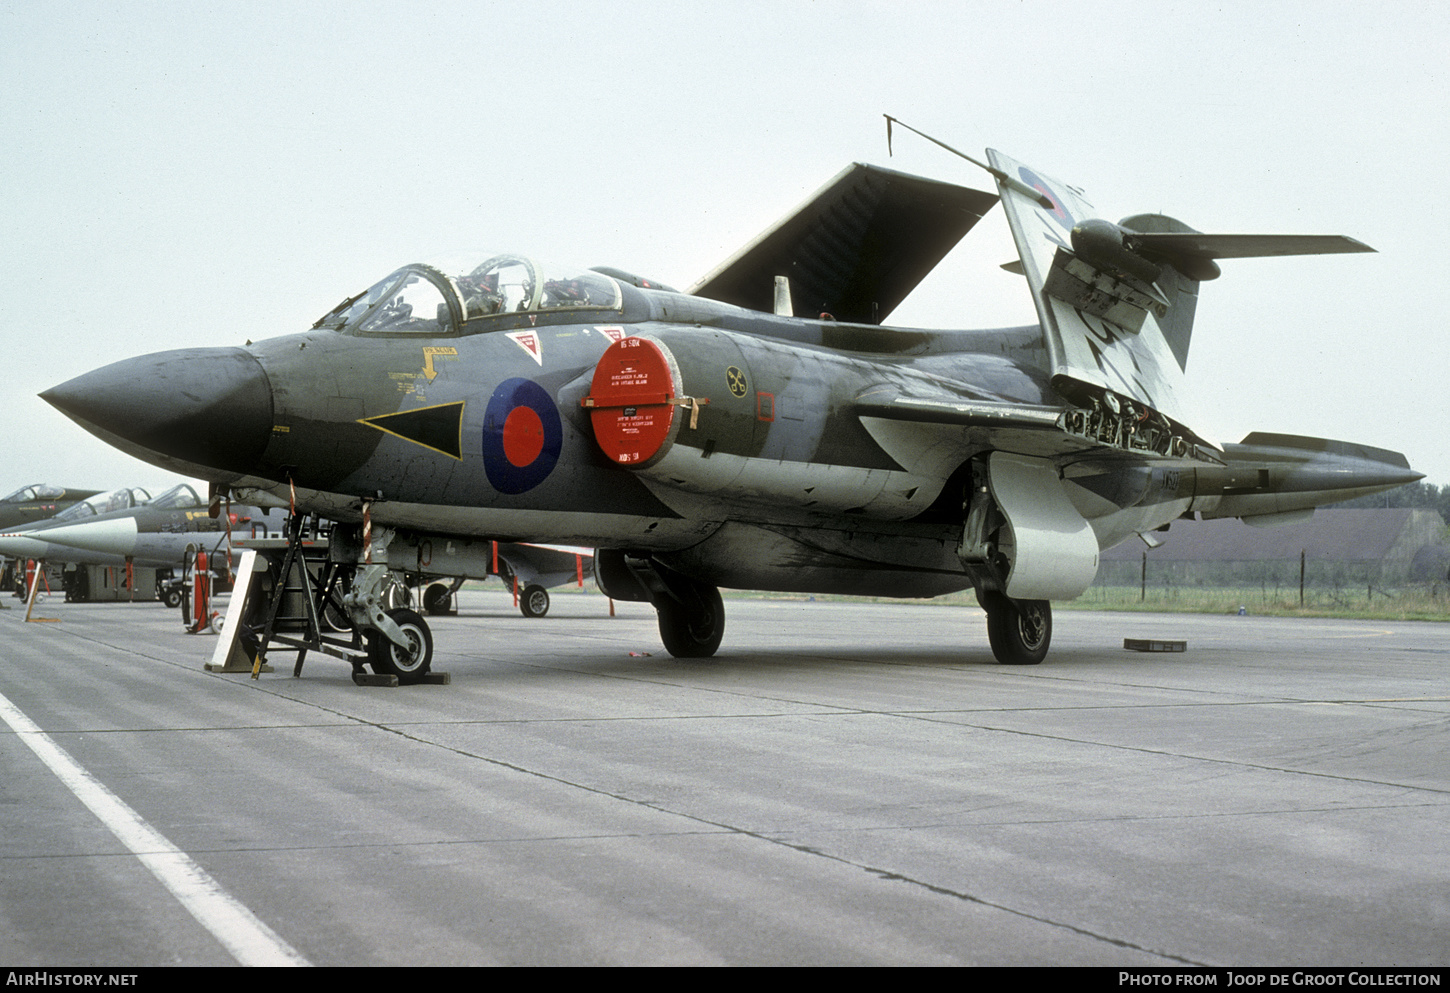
[1181, 291]
[1117, 301]
[1099, 308]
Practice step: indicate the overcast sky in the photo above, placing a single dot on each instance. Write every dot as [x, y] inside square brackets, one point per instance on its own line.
[198, 173]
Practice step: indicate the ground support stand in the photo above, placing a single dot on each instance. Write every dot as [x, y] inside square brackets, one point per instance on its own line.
[287, 596]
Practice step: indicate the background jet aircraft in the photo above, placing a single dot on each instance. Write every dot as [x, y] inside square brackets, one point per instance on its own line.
[529, 571]
[156, 533]
[15, 547]
[534, 569]
[714, 438]
[38, 502]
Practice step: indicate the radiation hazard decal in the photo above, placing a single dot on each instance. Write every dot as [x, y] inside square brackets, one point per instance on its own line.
[522, 436]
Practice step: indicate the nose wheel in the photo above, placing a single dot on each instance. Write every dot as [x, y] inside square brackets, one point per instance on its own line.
[411, 663]
[1018, 630]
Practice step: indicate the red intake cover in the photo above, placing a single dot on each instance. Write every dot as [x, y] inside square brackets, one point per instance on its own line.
[630, 401]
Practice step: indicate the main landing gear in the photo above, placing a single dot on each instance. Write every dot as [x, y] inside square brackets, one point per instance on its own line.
[1019, 631]
[691, 613]
[534, 601]
[692, 620]
[439, 598]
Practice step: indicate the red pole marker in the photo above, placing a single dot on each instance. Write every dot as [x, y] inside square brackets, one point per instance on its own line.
[200, 594]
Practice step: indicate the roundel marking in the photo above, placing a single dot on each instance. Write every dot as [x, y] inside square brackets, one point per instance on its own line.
[522, 436]
[1059, 213]
[735, 379]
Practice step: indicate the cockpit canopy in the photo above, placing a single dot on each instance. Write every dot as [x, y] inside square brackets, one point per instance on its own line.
[40, 491]
[434, 298]
[104, 503]
[179, 497]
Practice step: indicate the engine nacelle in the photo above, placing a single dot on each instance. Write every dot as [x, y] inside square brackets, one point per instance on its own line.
[704, 411]
[632, 400]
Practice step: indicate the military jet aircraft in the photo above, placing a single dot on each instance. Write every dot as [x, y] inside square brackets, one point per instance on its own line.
[131, 526]
[38, 502]
[15, 547]
[761, 431]
[529, 570]
[31, 504]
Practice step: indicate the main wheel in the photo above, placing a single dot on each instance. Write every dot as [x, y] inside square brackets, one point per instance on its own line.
[1019, 631]
[410, 664]
[437, 598]
[534, 602]
[172, 597]
[692, 630]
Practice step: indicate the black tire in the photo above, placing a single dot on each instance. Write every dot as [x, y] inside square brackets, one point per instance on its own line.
[172, 597]
[1019, 631]
[437, 598]
[534, 602]
[692, 630]
[387, 658]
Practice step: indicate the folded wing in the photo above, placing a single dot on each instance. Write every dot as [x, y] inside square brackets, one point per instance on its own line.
[855, 249]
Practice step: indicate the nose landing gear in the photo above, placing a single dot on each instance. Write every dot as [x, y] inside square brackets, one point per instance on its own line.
[409, 663]
[302, 587]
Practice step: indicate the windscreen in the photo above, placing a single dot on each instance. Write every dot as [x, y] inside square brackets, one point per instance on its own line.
[446, 296]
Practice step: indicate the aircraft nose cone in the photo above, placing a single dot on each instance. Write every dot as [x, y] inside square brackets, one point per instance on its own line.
[189, 409]
[116, 537]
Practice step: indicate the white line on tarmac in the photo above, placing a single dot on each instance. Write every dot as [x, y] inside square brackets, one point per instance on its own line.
[240, 931]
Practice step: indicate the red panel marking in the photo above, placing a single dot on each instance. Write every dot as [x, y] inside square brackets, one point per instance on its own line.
[765, 406]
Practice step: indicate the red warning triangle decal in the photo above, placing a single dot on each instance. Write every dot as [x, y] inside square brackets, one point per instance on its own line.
[529, 342]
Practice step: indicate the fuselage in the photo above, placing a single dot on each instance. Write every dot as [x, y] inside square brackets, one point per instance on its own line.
[769, 478]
